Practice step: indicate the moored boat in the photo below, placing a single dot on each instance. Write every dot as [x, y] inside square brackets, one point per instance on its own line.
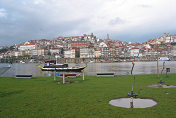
[51, 65]
[164, 59]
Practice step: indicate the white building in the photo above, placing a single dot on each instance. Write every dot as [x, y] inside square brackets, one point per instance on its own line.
[54, 51]
[84, 53]
[17, 53]
[102, 44]
[169, 38]
[34, 52]
[69, 53]
[39, 52]
[87, 53]
[97, 53]
[173, 51]
[147, 46]
[27, 46]
[134, 52]
[1, 56]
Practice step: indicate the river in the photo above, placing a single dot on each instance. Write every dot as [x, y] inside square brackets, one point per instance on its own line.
[120, 68]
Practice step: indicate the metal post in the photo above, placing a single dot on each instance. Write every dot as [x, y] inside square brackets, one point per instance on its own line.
[133, 77]
[56, 60]
[63, 78]
[133, 83]
[55, 75]
[131, 103]
[161, 73]
[83, 74]
[132, 93]
[157, 63]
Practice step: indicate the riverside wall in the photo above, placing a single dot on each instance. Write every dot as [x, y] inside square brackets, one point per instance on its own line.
[81, 60]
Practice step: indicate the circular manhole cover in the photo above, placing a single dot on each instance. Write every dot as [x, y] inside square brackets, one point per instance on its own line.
[137, 102]
[161, 86]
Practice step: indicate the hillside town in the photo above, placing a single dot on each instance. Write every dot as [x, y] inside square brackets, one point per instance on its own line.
[90, 47]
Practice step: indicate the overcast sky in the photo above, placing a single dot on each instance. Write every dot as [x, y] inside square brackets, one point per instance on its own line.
[125, 20]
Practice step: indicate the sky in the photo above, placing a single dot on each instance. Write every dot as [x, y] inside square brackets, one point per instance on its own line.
[125, 20]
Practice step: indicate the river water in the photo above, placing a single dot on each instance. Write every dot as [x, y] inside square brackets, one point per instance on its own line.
[120, 68]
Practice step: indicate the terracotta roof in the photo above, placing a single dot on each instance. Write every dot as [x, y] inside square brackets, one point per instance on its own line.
[79, 41]
[26, 44]
[78, 44]
[135, 48]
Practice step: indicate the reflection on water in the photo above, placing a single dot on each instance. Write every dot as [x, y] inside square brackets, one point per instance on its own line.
[125, 68]
[122, 68]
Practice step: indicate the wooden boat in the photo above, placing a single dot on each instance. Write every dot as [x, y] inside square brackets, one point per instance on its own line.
[71, 69]
[50, 65]
[53, 64]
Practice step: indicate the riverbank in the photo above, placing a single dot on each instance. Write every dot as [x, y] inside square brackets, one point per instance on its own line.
[79, 60]
[42, 97]
[93, 68]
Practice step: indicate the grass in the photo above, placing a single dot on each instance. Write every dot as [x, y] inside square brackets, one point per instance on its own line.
[42, 97]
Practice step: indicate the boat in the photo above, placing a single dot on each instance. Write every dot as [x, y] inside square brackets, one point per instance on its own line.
[3, 69]
[32, 61]
[22, 62]
[91, 61]
[51, 65]
[164, 59]
[102, 60]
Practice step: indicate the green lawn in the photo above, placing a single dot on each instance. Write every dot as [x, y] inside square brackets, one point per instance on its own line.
[42, 97]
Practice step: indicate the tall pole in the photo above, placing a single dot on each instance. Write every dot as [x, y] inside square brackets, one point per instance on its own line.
[132, 94]
[170, 47]
[63, 77]
[157, 62]
[83, 74]
[55, 75]
[133, 77]
[131, 102]
[161, 82]
[56, 60]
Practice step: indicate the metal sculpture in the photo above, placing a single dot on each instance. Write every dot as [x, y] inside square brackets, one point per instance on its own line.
[132, 94]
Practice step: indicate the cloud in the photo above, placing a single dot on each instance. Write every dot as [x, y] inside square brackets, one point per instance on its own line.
[24, 20]
[145, 6]
[116, 21]
[39, 1]
[3, 12]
